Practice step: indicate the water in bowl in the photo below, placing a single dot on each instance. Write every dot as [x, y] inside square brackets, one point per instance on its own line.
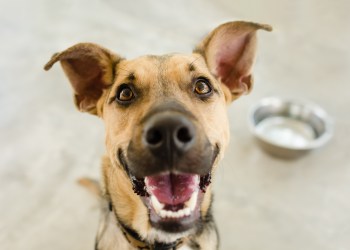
[286, 131]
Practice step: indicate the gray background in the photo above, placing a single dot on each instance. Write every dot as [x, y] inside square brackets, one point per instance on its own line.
[261, 203]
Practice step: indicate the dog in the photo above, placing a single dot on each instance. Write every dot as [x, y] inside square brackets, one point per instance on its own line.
[166, 130]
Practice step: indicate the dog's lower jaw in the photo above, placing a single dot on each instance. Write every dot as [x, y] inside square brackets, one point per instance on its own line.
[173, 198]
[131, 211]
[111, 237]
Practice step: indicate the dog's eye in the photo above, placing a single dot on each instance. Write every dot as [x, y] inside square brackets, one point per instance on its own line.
[124, 94]
[202, 87]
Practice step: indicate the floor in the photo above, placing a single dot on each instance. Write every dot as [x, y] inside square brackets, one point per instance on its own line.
[261, 202]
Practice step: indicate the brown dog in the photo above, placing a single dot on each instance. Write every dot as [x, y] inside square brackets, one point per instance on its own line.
[166, 131]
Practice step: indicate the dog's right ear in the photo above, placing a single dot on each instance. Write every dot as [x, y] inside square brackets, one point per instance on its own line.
[229, 51]
[90, 70]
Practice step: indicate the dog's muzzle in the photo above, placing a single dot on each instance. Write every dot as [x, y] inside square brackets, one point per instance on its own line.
[169, 161]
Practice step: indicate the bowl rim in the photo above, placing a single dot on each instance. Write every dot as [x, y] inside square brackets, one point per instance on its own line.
[320, 112]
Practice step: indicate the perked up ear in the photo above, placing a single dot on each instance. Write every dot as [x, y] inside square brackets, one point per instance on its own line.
[229, 51]
[90, 69]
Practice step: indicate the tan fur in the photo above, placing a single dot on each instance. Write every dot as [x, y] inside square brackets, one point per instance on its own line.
[128, 205]
[89, 78]
[210, 46]
[95, 74]
[91, 185]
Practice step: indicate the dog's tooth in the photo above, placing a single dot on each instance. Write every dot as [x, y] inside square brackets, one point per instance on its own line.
[191, 203]
[169, 214]
[162, 213]
[156, 204]
[149, 188]
[146, 181]
[197, 180]
[181, 213]
[186, 211]
[175, 214]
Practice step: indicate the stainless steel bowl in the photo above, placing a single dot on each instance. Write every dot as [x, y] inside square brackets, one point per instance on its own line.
[288, 128]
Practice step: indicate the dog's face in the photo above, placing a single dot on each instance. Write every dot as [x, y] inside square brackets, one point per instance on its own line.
[166, 123]
[172, 114]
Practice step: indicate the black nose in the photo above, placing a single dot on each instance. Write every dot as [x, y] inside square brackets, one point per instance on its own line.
[168, 134]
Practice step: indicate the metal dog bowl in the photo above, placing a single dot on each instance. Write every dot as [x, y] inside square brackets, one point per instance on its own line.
[288, 128]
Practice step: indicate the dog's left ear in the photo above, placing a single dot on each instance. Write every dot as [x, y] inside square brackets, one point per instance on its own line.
[90, 70]
[229, 52]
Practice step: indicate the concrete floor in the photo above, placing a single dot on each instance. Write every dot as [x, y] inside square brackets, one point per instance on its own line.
[261, 203]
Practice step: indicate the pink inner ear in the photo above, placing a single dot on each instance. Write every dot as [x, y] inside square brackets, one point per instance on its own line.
[85, 75]
[230, 50]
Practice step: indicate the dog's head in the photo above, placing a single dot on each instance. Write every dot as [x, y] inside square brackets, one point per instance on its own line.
[166, 122]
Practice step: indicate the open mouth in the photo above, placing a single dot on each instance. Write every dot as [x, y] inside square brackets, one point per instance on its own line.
[173, 199]
[173, 196]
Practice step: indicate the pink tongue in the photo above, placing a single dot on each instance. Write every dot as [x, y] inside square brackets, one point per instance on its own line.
[172, 189]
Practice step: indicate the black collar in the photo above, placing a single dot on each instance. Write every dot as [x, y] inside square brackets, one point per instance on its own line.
[135, 239]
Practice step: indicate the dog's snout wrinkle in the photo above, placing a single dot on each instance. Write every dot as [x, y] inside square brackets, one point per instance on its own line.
[169, 106]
